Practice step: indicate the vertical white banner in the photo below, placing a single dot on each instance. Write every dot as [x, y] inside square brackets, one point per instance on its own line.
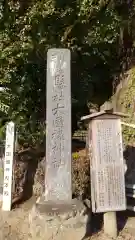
[8, 167]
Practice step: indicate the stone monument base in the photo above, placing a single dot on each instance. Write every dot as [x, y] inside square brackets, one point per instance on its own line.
[60, 220]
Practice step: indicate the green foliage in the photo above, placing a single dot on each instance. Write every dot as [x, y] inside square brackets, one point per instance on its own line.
[75, 156]
[90, 29]
[126, 103]
[81, 177]
[3, 107]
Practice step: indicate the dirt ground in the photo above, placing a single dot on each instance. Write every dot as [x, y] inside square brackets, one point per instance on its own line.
[14, 225]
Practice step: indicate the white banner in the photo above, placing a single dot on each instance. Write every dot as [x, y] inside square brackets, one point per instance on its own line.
[8, 166]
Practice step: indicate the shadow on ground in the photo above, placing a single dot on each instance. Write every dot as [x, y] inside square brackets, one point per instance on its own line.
[122, 219]
[129, 157]
[97, 223]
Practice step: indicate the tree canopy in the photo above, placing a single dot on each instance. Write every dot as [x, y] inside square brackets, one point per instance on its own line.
[99, 34]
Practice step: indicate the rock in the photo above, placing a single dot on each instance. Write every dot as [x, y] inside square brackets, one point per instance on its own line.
[38, 189]
[39, 182]
[59, 220]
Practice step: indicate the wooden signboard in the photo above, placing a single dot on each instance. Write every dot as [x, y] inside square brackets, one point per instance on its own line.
[107, 166]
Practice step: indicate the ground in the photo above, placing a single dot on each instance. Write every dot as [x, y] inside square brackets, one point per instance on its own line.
[14, 225]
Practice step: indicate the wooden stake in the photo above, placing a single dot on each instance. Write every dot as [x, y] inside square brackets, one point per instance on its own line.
[8, 167]
[110, 224]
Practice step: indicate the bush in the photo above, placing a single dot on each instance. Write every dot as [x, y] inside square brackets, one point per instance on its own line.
[81, 176]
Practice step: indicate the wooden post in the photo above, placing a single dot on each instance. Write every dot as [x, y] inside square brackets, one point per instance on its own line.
[110, 224]
[8, 167]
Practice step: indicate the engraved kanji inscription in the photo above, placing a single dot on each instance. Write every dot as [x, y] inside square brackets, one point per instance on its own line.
[58, 140]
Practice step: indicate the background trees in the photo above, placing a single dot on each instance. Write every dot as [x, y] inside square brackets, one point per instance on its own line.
[100, 34]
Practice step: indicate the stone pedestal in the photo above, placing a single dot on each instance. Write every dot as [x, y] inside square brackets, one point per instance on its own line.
[60, 220]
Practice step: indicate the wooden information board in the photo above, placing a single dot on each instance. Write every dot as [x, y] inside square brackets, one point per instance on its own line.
[107, 166]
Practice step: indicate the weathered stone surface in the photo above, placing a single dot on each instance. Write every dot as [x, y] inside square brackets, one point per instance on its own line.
[58, 128]
[59, 220]
[39, 182]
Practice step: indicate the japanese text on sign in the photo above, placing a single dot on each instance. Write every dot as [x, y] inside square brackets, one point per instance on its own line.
[108, 184]
[8, 165]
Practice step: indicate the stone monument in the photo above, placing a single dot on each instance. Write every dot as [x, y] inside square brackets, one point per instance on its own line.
[58, 140]
[56, 215]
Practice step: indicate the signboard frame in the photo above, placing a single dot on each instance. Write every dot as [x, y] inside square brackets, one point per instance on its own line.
[107, 171]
